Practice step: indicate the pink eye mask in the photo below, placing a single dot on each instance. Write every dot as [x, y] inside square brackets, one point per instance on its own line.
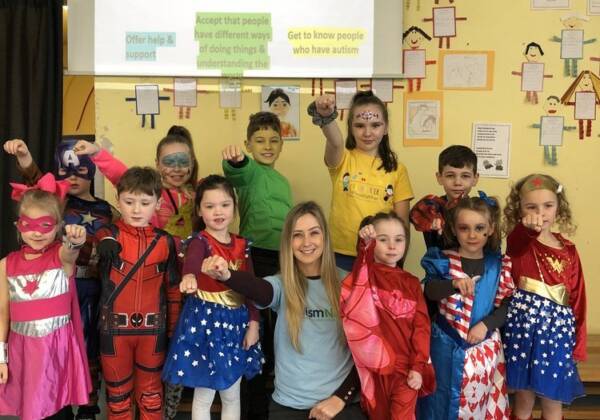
[44, 224]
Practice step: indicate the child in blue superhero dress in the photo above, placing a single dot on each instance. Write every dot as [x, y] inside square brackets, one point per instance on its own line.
[215, 342]
[472, 284]
[545, 332]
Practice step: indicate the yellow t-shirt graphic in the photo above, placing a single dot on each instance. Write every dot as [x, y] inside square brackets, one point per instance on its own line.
[360, 190]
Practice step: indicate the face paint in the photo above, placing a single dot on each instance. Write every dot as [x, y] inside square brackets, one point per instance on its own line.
[367, 115]
[43, 225]
[176, 160]
[68, 163]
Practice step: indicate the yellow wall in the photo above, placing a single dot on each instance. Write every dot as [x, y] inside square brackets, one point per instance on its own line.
[502, 26]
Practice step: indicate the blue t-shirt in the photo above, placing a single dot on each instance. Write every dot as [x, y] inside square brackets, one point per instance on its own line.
[304, 379]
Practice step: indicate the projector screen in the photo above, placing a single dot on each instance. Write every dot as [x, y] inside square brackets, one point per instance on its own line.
[236, 38]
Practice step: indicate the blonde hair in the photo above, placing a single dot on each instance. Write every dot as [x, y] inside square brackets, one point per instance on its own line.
[512, 211]
[295, 283]
[42, 200]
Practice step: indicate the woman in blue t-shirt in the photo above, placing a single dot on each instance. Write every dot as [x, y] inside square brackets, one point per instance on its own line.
[314, 372]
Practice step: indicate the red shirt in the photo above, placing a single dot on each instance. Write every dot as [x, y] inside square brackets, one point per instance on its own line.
[235, 252]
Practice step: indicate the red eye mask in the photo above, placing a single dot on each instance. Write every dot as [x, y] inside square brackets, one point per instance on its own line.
[43, 225]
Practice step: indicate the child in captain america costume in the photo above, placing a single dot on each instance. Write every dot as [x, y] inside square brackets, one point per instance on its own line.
[83, 209]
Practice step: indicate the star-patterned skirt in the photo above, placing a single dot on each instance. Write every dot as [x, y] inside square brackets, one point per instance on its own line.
[206, 349]
[539, 338]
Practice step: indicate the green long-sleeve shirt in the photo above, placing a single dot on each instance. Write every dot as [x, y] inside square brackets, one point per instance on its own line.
[265, 198]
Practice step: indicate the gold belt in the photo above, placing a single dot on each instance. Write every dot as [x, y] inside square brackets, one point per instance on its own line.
[557, 293]
[227, 298]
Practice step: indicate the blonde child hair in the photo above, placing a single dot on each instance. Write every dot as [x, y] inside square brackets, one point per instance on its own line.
[512, 211]
[42, 200]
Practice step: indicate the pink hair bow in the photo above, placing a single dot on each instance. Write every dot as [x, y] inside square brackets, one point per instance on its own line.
[46, 183]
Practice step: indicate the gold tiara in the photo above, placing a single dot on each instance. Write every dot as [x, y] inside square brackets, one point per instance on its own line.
[540, 182]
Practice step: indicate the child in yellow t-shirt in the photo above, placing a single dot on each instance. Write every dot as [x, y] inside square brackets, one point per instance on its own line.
[366, 175]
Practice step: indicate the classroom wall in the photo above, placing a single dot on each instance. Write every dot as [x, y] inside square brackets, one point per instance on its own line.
[502, 27]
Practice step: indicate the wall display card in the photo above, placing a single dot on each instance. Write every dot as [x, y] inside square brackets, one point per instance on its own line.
[146, 100]
[585, 106]
[444, 21]
[593, 7]
[283, 101]
[414, 64]
[384, 89]
[549, 4]
[234, 38]
[185, 92]
[533, 77]
[466, 70]
[423, 119]
[491, 144]
[551, 130]
[344, 91]
[571, 45]
[230, 93]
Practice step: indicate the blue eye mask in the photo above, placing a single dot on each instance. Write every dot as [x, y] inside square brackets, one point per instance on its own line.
[177, 160]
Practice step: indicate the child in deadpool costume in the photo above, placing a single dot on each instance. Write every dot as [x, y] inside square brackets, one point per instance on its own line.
[140, 298]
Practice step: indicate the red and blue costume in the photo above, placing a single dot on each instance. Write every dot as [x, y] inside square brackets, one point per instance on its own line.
[139, 306]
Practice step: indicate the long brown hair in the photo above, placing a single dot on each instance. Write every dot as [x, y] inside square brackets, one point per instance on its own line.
[392, 215]
[181, 135]
[389, 160]
[294, 282]
[211, 182]
[488, 207]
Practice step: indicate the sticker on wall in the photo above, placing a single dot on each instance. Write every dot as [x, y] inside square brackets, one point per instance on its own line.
[532, 73]
[147, 102]
[551, 128]
[444, 24]
[572, 41]
[344, 92]
[314, 87]
[584, 96]
[230, 97]
[596, 59]
[491, 144]
[550, 4]
[408, 3]
[383, 88]
[466, 70]
[284, 101]
[414, 61]
[185, 92]
[423, 119]
[593, 7]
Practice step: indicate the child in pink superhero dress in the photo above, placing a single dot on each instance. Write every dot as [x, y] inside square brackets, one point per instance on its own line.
[385, 319]
[43, 364]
